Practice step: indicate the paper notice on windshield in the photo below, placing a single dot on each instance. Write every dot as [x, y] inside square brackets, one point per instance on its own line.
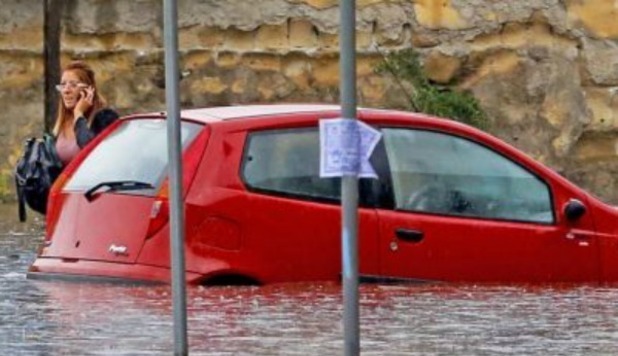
[345, 148]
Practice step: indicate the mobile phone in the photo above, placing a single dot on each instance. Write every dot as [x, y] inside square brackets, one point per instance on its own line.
[82, 90]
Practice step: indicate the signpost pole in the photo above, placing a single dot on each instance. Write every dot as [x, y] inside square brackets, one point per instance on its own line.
[177, 237]
[349, 183]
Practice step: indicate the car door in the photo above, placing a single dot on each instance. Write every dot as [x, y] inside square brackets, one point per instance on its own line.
[464, 212]
[294, 229]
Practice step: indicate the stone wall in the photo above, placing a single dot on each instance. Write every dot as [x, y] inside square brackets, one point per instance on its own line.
[546, 71]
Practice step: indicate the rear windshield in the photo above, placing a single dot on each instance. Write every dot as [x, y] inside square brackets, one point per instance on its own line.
[135, 151]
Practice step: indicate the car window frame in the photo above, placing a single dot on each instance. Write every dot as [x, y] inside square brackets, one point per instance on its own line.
[391, 190]
[369, 195]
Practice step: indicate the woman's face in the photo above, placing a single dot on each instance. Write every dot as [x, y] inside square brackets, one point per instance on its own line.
[70, 86]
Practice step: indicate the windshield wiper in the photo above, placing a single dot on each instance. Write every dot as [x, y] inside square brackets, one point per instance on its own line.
[116, 186]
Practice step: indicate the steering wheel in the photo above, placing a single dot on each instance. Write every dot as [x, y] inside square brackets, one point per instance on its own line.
[432, 197]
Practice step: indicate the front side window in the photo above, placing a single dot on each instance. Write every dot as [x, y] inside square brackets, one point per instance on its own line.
[288, 162]
[443, 174]
[135, 151]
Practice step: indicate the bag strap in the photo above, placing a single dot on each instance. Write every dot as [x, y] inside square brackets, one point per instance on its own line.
[21, 200]
[50, 144]
[19, 180]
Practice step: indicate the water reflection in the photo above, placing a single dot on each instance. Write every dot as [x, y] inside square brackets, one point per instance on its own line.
[53, 318]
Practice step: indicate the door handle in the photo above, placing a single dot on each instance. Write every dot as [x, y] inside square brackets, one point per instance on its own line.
[409, 235]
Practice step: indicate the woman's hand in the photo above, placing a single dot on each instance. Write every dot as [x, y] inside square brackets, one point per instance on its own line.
[86, 98]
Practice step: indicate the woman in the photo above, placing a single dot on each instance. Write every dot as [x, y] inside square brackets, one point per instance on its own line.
[82, 111]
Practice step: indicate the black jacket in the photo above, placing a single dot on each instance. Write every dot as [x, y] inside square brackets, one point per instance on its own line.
[102, 119]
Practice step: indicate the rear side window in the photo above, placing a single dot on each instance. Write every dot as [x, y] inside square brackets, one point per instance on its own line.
[288, 162]
[135, 151]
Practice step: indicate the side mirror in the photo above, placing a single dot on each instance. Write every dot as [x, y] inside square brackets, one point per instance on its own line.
[574, 210]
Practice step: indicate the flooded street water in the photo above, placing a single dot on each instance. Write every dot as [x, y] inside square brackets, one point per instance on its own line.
[62, 318]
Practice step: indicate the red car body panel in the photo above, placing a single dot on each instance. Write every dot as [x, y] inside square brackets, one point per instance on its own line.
[234, 231]
[485, 251]
[607, 237]
[88, 219]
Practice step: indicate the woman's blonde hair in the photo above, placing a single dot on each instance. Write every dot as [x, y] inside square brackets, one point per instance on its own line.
[86, 76]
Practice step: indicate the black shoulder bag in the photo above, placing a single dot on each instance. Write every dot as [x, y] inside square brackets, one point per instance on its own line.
[36, 171]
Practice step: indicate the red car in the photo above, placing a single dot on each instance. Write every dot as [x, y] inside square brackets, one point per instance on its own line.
[451, 203]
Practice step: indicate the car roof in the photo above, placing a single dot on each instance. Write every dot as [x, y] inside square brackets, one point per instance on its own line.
[213, 114]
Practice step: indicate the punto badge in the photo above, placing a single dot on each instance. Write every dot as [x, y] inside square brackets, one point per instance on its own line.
[118, 250]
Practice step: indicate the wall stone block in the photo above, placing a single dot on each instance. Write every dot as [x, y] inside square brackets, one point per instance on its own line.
[26, 39]
[190, 38]
[441, 68]
[209, 85]
[594, 147]
[195, 60]
[298, 68]
[329, 42]
[19, 70]
[596, 16]
[239, 85]
[262, 61]
[238, 40]
[522, 35]
[302, 34]
[274, 87]
[439, 14]
[326, 71]
[371, 90]
[109, 42]
[602, 61]
[364, 41]
[104, 16]
[603, 103]
[319, 4]
[20, 15]
[228, 59]
[366, 64]
[423, 39]
[211, 37]
[272, 37]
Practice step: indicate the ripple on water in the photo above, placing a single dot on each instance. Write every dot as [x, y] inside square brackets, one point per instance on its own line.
[53, 318]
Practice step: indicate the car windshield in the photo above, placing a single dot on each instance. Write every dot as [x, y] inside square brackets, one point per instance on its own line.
[135, 151]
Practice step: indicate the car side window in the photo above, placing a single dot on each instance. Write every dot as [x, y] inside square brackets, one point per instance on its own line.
[287, 162]
[438, 173]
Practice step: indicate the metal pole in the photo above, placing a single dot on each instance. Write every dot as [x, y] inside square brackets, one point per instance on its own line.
[349, 184]
[170, 21]
[51, 53]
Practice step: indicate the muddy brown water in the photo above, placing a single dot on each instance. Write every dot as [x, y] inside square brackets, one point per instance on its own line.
[62, 318]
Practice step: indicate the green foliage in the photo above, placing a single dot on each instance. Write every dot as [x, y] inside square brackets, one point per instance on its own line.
[427, 98]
